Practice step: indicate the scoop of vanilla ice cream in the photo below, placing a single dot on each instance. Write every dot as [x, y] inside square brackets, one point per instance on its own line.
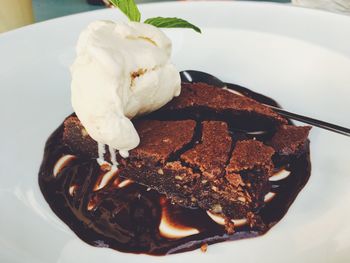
[121, 70]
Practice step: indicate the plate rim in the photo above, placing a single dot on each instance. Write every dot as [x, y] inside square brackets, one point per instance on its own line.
[18, 31]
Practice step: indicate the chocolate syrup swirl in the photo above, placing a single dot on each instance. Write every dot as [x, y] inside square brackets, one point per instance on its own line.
[105, 210]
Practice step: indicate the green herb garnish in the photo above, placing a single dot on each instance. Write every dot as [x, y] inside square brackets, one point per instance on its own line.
[129, 8]
[171, 22]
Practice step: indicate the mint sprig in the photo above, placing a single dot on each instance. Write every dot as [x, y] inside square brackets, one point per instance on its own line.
[171, 22]
[129, 8]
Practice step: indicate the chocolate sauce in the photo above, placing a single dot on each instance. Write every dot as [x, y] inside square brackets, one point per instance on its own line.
[128, 217]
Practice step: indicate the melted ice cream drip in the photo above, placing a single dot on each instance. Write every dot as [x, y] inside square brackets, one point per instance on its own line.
[113, 158]
[220, 220]
[124, 154]
[61, 163]
[105, 179]
[101, 153]
[168, 228]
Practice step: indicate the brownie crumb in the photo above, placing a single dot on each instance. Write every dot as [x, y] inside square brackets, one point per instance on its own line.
[229, 226]
[235, 179]
[204, 247]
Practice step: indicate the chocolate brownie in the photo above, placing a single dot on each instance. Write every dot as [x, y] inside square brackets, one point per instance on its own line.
[202, 99]
[290, 139]
[78, 138]
[200, 159]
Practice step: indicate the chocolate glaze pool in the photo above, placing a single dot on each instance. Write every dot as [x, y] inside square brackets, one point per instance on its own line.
[123, 215]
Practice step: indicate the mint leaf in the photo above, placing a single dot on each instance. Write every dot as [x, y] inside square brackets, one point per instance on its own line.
[129, 8]
[171, 22]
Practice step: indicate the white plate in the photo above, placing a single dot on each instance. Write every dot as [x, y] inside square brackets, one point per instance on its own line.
[298, 56]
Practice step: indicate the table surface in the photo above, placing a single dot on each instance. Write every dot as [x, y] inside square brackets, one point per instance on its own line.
[47, 9]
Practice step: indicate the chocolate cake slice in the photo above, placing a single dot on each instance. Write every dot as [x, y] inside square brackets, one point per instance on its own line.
[194, 151]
